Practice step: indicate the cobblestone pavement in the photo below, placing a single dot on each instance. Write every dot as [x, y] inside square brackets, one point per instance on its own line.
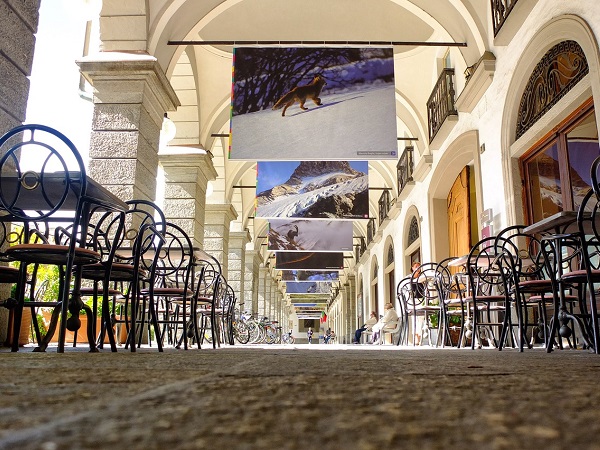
[300, 397]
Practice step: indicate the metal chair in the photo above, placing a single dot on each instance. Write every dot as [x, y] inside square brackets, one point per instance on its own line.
[487, 299]
[43, 178]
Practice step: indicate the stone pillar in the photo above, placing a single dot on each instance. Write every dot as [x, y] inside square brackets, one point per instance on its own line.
[261, 308]
[269, 295]
[216, 232]
[236, 262]
[19, 23]
[251, 276]
[19, 20]
[131, 95]
[187, 173]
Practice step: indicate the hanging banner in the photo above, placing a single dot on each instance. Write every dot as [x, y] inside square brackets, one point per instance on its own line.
[313, 103]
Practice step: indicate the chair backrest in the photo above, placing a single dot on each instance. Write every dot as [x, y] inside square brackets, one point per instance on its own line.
[425, 281]
[41, 173]
[485, 269]
[119, 232]
[527, 257]
[177, 260]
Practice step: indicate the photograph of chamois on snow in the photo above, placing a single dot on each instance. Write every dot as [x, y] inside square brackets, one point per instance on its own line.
[312, 189]
[320, 287]
[310, 275]
[313, 103]
[310, 235]
[309, 260]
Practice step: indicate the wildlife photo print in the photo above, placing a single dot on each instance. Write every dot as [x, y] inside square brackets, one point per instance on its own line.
[312, 189]
[310, 235]
[313, 103]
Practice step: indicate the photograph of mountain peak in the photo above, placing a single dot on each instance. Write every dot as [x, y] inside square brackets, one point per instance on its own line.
[312, 189]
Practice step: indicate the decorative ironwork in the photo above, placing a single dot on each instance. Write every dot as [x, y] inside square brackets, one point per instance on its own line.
[360, 248]
[370, 230]
[413, 230]
[558, 71]
[405, 168]
[441, 102]
[390, 255]
[384, 205]
[500, 11]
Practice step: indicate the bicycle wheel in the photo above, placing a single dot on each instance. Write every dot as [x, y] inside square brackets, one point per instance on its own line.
[241, 332]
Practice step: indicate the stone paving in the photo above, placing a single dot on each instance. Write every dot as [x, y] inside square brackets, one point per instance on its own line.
[300, 397]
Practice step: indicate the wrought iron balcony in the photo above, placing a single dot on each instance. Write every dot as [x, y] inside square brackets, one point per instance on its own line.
[500, 11]
[405, 168]
[385, 203]
[360, 248]
[371, 228]
[441, 102]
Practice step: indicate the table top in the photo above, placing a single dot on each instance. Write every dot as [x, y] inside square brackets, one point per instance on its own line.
[562, 221]
[41, 196]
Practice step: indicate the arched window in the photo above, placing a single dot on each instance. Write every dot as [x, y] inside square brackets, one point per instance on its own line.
[556, 73]
[413, 231]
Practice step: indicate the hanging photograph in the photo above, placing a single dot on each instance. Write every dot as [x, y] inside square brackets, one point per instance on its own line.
[312, 189]
[321, 287]
[313, 103]
[310, 275]
[309, 260]
[310, 235]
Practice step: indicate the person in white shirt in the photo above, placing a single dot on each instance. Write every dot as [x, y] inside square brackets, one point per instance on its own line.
[388, 321]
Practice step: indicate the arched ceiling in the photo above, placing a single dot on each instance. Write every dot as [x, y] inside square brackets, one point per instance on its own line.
[416, 67]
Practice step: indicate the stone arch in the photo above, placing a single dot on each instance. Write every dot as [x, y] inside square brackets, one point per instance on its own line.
[561, 28]
[463, 151]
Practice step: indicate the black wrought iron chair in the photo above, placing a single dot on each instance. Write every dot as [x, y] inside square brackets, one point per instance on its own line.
[424, 301]
[43, 178]
[451, 289]
[116, 237]
[586, 277]
[534, 286]
[173, 300]
[487, 299]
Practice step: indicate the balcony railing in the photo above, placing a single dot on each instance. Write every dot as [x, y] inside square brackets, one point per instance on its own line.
[360, 248]
[500, 11]
[405, 168]
[441, 102]
[384, 205]
[371, 228]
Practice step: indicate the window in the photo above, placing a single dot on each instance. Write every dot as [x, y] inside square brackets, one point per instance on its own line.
[556, 172]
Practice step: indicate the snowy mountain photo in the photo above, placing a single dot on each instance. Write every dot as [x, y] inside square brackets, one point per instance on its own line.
[315, 189]
[310, 235]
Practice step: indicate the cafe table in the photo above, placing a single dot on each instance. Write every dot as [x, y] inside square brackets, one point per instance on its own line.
[43, 197]
[557, 228]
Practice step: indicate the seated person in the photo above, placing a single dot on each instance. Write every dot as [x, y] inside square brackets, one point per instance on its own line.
[387, 322]
[367, 326]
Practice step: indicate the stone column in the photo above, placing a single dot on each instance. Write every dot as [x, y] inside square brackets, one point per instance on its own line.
[352, 316]
[236, 262]
[187, 173]
[251, 275]
[19, 22]
[261, 307]
[269, 295]
[131, 95]
[216, 232]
